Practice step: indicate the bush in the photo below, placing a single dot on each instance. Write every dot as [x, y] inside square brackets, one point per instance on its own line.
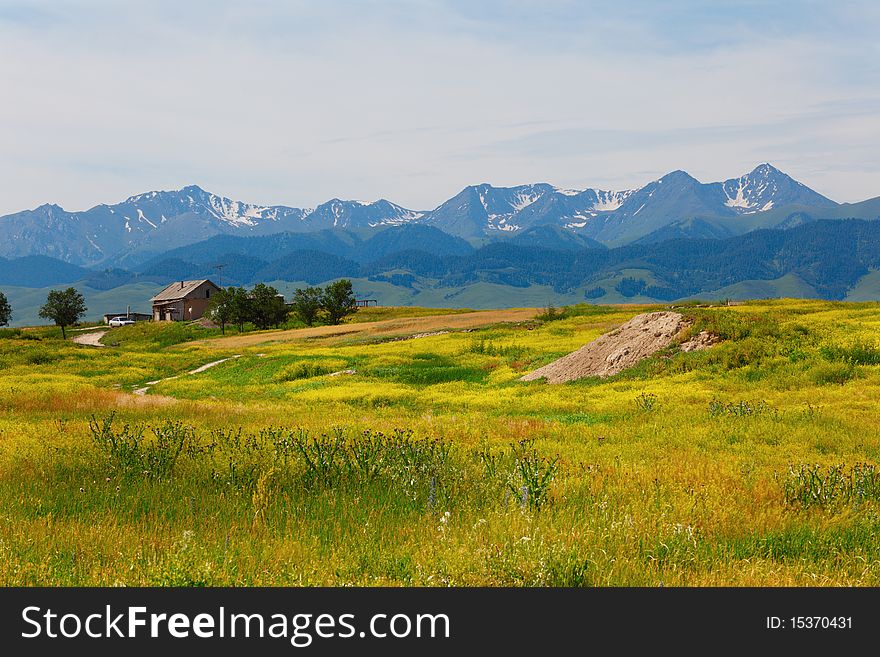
[129, 454]
[813, 485]
[646, 402]
[859, 354]
[731, 325]
[532, 475]
[834, 373]
[40, 357]
[551, 313]
[306, 369]
[718, 408]
[280, 463]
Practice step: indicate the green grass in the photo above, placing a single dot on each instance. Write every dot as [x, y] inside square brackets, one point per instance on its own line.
[752, 463]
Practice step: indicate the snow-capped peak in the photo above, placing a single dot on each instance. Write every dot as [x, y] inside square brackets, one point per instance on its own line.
[753, 192]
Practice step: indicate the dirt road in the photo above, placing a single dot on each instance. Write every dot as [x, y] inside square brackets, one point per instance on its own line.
[385, 328]
[91, 339]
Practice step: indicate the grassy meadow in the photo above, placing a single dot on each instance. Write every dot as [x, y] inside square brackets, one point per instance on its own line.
[353, 456]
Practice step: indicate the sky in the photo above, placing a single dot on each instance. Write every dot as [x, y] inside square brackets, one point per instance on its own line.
[296, 102]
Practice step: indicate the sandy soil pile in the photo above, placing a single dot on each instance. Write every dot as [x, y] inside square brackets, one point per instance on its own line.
[702, 340]
[615, 351]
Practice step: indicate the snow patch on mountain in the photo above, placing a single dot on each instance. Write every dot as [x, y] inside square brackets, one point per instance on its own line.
[142, 217]
[740, 200]
[524, 200]
[607, 201]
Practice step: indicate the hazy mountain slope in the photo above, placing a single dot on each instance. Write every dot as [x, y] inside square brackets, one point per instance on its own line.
[39, 271]
[548, 236]
[217, 249]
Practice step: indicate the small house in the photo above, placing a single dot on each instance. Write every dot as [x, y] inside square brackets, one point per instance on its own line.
[183, 300]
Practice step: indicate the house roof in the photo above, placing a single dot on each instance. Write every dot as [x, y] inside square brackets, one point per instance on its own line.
[179, 290]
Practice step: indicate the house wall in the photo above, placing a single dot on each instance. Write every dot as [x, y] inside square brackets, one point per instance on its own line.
[168, 311]
[195, 308]
[197, 301]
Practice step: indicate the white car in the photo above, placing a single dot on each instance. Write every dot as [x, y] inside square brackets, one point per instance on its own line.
[120, 321]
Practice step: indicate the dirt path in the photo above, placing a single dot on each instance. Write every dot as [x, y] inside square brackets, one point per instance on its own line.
[91, 339]
[208, 366]
[385, 328]
[198, 370]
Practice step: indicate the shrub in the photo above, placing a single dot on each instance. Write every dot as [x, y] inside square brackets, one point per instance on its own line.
[551, 313]
[833, 373]
[40, 357]
[731, 325]
[813, 485]
[130, 454]
[399, 468]
[646, 402]
[489, 348]
[718, 408]
[532, 476]
[429, 369]
[858, 354]
[306, 369]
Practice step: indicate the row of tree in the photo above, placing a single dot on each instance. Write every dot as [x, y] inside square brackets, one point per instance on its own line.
[264, 307]
[334, 302]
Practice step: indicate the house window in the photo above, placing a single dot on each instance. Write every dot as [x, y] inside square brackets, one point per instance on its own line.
[208, 293]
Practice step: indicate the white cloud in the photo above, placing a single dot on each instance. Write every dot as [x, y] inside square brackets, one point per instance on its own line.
[298, 102]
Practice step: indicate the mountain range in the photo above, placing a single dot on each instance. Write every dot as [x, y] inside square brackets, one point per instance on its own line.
[674, 206]
[760, 235]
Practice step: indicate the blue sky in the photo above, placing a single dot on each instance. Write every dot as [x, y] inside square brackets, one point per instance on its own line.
[297, 102]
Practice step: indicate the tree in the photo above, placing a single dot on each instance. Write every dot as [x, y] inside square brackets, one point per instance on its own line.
[220, 308]
[64, 307]
[307, 304]
[5, 310]
[240, 307]
[338, 301]
[267, 306]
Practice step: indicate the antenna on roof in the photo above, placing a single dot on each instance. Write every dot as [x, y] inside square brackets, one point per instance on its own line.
[219, 268]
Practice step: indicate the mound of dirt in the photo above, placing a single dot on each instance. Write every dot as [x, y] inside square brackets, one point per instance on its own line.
[615, 351]
[702, 340]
